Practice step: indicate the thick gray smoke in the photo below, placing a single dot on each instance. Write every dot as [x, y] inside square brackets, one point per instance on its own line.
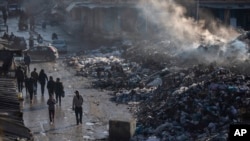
[191, 41]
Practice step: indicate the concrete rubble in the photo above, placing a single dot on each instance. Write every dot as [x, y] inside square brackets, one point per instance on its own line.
[170, 103]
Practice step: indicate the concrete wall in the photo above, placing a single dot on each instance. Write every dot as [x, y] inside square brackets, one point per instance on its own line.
[111, 22]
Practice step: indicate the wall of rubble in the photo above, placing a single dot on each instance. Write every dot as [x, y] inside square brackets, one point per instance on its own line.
[170, 102]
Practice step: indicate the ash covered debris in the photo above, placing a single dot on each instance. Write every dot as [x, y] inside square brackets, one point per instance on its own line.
[199, 110]
[184, 102]
[171, 101]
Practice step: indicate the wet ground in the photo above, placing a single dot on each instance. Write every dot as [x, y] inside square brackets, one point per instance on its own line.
[97, 108]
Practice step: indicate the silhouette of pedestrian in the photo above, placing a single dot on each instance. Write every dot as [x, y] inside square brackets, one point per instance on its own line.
[42, 80]
[20, 78]
[54, 36]
[5, 36]
[27, 60]
[39, 39]
[51, 103]
[51, 86]
[44, 25]
[32, 23]
[77, 107]
[31, 41]
[26, 83]
[5, 16]
[58, 90]
[30, 85]
[35, 76]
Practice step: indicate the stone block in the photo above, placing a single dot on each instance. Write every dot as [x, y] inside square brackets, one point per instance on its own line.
[121, 130]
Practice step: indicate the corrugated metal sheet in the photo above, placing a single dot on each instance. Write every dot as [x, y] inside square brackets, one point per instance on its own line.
[12, 127]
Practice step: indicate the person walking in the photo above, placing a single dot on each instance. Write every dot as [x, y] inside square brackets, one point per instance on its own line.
[20, 78]
[42, 80]
[32, 23]
[30, 86]
[27, 60]
[35, 76]
[31, 41]
[51, 103]
[59, 90]
[44, 25]
[26, 83]
[54, 36]
[5, 16]
[77, 107]
[51, 86]
[39, 39]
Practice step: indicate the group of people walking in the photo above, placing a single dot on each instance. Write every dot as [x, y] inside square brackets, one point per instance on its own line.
[55, 89]
[31, 83]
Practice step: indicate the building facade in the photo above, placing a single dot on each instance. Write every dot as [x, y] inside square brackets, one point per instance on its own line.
[115, 18]
[235, 13]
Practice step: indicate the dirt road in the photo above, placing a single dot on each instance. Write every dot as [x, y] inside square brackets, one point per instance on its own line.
[97, 109]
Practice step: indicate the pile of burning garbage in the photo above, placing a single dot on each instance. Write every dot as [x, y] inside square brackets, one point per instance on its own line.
[170, 102]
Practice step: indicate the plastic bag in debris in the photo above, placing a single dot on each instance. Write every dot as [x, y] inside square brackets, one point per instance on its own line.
[155, 83]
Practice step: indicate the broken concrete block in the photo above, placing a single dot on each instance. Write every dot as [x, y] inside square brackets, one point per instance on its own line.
[121, 130]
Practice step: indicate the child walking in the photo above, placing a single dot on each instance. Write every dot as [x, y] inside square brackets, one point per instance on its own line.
[51, 102]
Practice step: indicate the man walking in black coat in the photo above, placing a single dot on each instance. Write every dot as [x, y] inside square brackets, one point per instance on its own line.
[30, 86]
[35, 76]
[20, 78]
[59, 90]
[51, 86]
[42, 80]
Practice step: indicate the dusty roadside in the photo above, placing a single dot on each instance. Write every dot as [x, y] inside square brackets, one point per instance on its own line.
[98, 109]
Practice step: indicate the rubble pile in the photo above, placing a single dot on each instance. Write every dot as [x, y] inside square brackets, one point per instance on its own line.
[199, 105]
[110, 71]
[170, 104]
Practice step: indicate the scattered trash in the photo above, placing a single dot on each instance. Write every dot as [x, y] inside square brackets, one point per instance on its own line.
[192, 102]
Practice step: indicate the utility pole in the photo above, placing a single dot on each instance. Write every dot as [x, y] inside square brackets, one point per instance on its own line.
[197, 9]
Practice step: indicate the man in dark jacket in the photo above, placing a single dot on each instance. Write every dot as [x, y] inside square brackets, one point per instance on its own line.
[30, 86]
[42, 80]
[35, 76]
[51, 86]
[20, 78]
[77, 107]
[59, 90]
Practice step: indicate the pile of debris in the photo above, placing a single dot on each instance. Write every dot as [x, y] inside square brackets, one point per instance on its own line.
[109, 70]
[175, 104]
[195, 105]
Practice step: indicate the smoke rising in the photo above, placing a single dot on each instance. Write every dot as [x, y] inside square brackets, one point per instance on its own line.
[204, 41]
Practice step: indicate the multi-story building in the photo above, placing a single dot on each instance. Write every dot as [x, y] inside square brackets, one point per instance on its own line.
[231, 12]
[118, 17]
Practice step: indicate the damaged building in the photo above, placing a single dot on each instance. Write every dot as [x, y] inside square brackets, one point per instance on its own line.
[118, 19]
[231, 12]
